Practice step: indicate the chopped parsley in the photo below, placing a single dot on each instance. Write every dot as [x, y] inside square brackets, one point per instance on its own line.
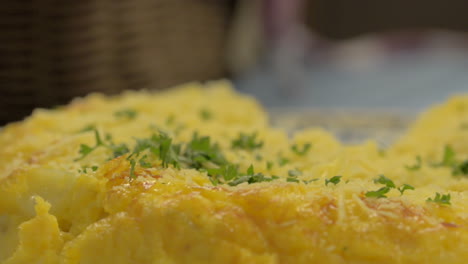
[416, 166]
[88, 128]
[309, 181]
[85, 169]
[385, 181]
[294, 173]
[126, 113]
[227, 172]
[440, 199]
[335, 180]
[405, 187]
[170, 120]
[380, 193]
[382, 153]
[269, 165]
[85, 150]
[250, 170]
[251, 177]
[283, 161]
[449, 160]
[247, 142]
[119, 150]
[132, 168]
[449, 156]
[389, 184]
[301, 151]
[292, 179]
[205, 114]
[198, 154]
[144, 163]
[461, 169]
[159, 145]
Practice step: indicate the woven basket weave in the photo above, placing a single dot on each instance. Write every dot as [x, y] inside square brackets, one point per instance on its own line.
[54, 50]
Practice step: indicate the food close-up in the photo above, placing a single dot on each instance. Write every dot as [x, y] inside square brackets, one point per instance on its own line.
[234, 132]
[198, 175]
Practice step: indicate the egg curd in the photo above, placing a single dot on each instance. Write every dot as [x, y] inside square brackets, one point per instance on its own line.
[197, 175]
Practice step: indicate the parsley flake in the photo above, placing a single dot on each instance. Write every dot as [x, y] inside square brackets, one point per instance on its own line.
[205, 114]
[380, 193]
[119, 150]
[170, 120]
[85, 150]
[335, 180]
[294, 173]
[291, 179]
[247, 142]
[385, 181]
[126, 113]
[449, 160]
[440, 199]
[283, 161]
[132, 169]
[269, 165]
[405, 187]
[252, 177]
[416, 166]
[301, 151]
[449, 156]
[144, 163]
[309, 181]
[88, 128]
[461, 169]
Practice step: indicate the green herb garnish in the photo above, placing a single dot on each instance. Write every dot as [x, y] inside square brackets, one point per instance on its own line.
[294, 173]
[461, 169]
[247, 142]
[449, 160]
[269, 165]
[441, 199]
[85, 169]
[380, 193]
[170, 120]
[389, 184]
[205, 114]
[251, 177]
[85, 150]
[405, 187]
[88, 128]
[283, 161]
[449, 157]
[309, 181]
[144, 163]
[385, 181]
[119, 150]
[132, 168]
[126, 113]
[335, 180]
[301, 151]
[416, 166]
[291, 179]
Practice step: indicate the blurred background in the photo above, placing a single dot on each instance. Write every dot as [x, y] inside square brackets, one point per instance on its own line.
[392, 57]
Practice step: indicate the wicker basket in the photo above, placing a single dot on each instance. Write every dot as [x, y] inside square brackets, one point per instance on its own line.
[52, 51]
